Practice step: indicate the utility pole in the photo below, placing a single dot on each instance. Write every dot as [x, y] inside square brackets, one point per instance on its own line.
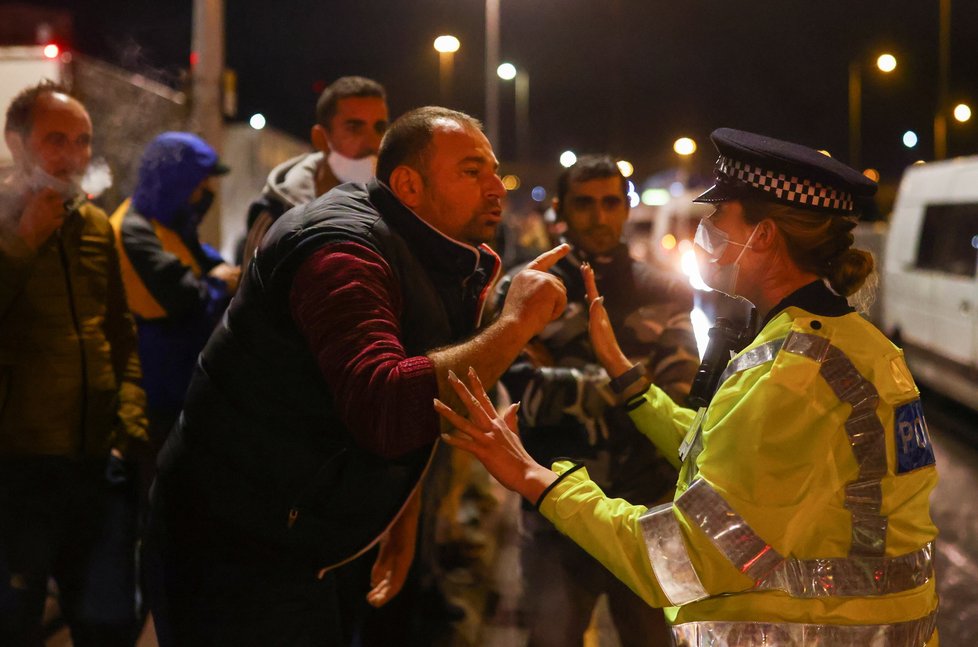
[206, 69]
[492, 62]
[522, 95]
[855, 112]
[944, 64]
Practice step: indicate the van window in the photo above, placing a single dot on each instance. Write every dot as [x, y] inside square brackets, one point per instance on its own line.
[949, 239]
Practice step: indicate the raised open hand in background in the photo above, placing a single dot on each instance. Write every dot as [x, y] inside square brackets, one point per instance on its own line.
[603, 338]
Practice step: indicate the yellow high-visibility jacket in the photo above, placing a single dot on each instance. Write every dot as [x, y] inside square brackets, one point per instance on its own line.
[801, 514]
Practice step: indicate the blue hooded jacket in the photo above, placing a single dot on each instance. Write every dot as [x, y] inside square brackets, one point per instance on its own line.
[172, 167]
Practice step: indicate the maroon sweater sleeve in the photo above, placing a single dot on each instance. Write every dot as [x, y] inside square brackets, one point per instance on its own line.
[346, 303]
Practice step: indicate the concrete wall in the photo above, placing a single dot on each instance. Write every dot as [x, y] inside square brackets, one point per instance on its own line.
[251, 154]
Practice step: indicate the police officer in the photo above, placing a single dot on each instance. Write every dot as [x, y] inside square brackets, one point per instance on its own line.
[801, 515]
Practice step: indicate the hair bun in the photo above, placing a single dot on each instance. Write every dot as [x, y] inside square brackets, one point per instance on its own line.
[847, 271]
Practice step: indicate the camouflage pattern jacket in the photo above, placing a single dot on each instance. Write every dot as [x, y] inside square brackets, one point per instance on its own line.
[568, 410]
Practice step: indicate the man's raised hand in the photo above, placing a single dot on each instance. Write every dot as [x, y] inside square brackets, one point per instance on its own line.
[536, 297]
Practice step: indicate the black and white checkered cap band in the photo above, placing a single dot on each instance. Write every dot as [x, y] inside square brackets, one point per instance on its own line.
[784, 187]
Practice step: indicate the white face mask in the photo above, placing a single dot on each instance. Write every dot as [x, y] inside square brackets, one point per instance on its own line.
[714, 241]
[347, 169]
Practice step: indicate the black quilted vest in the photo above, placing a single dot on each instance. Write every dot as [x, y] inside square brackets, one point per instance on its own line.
[260, 439]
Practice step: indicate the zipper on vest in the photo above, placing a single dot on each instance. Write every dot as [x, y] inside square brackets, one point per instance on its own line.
[78, 333]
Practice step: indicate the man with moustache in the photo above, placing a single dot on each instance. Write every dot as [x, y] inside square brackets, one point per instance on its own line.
[571, 409]
[308, 423]
[71, 406]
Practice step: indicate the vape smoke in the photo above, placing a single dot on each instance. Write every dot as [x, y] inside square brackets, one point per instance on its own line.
[97, 178]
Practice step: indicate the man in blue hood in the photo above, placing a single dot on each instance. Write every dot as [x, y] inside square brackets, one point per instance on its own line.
[177, 287]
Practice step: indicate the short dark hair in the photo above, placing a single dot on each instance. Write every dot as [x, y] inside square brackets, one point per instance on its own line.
[20, 112]
[589, 167]
[408, 138]
[341, 88]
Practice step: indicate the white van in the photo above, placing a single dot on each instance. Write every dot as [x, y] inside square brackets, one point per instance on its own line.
[20, 67]
[661, 233]
[930, 282]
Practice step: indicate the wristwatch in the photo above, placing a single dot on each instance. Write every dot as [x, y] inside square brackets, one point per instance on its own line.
[626, 379]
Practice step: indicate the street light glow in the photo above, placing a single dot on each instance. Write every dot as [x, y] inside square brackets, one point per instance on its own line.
[626, 168]
[447, 44]
[257, 121]
[886, 62]
[506, 71]
[910, 139]
[962, 112]
[568, 159]
[684, 146]
[655, 197]
[511, 182]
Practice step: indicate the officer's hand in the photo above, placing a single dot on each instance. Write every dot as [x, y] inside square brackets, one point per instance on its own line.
[230, 274]
[603, 339]
[535, 297]
[43, 213]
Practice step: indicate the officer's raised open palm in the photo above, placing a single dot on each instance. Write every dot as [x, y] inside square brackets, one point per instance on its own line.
[603, 338]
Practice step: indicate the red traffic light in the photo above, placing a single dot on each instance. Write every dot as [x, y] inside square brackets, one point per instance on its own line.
[51, 50]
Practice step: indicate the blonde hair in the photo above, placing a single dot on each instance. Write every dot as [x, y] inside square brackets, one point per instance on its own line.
[821, 244]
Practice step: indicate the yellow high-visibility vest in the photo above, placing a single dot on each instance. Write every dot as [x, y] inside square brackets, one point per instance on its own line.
[802, 509]
[141, 301]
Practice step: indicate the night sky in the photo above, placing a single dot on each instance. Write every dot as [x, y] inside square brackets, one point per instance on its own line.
[626, 76]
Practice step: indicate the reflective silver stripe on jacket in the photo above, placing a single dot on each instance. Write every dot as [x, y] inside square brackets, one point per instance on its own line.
[862, 576]
[754, 357]
[728, 531]
[864, 496]
[667, 553]
[852, 576]
[913, 633]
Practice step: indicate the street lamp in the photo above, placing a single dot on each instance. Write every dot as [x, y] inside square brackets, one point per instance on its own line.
[962, 112]
[885, 63]
[446, 46]
[509, 72]
[684, 146]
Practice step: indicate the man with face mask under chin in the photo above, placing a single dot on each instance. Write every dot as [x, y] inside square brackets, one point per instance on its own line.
[71, 407]
[177, 287]
[351, 118]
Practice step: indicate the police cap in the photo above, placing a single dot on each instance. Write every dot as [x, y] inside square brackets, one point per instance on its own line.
[759, 167]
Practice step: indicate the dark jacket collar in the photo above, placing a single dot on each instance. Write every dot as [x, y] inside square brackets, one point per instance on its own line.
[434, 249]
[815, 298]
